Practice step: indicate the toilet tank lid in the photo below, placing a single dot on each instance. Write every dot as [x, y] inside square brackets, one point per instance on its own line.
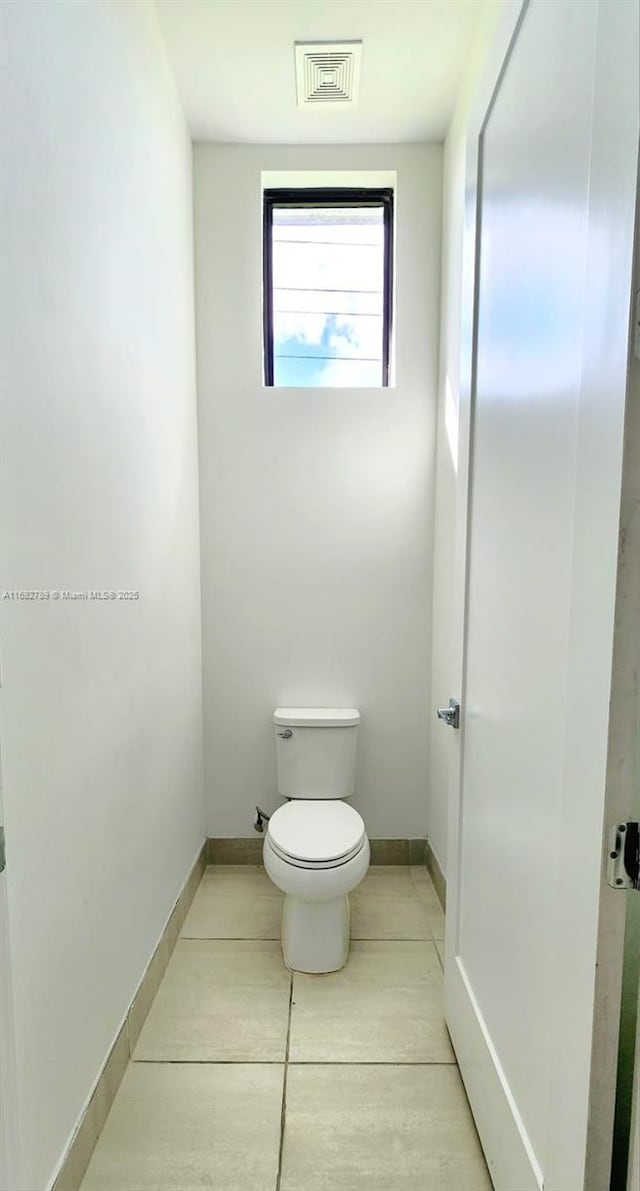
[317, 717]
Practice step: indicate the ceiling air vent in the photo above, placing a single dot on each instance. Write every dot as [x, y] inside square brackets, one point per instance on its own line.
[327, 71]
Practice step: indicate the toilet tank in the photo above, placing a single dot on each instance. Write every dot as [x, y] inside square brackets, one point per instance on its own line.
[316, 751]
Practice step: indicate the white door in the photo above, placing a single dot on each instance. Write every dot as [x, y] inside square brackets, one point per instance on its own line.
[547, 285]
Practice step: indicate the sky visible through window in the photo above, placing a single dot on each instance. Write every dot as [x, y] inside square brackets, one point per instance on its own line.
[328, 273]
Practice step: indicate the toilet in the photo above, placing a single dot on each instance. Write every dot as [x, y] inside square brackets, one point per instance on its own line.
[316, 848]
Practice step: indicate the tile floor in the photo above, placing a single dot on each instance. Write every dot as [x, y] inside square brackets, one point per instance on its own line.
[248, 1078]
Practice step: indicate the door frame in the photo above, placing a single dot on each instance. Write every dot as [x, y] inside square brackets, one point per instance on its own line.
[633, 1180]
[488, 1089]
[622, 803]
[9, 1149]
[10, 1177]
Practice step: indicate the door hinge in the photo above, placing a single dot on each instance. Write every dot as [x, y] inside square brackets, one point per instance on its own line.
[3, 855]
[623, 864]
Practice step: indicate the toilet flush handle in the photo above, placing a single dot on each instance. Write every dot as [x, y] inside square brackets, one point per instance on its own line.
[286, 735]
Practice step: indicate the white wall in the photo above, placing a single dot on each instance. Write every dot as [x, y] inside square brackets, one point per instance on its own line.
[316, 505]
[443, 652]
[101, 707]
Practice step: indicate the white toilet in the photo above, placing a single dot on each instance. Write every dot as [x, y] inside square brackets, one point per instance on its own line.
[316, 848]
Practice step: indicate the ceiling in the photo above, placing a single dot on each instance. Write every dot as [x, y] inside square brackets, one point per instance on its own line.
[234, 65]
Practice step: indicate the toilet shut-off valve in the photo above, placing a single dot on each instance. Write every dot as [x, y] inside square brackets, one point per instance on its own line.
[261, 818]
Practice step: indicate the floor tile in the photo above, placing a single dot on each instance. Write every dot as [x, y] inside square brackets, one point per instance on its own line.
[235, 902]
[440, 950]
[437, 924]
[424, 886]
[219, 1000]
[384, 1006]
[387, 906]
[428, 897]
[380, 1128]
[185, 1127]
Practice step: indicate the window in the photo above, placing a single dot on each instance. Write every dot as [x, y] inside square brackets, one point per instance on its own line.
[327, 287]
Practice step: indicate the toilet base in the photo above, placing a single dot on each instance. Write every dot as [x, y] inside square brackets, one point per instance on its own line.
[315, 935]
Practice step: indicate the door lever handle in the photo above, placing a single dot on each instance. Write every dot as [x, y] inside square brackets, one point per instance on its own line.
[450, 714]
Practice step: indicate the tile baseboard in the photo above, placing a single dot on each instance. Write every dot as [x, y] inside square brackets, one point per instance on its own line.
[249, 851]
[432, 865]
[78, 1155]
[397, 851]
[235, 851]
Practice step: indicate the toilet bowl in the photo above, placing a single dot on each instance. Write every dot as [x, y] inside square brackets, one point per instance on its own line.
[316, 852]
[316, 848]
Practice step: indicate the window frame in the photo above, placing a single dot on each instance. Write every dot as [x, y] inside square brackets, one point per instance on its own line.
[326, 196]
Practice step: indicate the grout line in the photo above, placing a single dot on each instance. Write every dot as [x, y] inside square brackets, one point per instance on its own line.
[283, 1113]
[395, 939]
[296, 1063]
[375, 1063]
[229, 938]
[276, 939]
[209, 1062]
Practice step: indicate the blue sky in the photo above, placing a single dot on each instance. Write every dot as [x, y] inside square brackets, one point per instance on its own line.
[327, 274]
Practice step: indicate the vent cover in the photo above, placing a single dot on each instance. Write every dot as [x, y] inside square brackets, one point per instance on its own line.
[327, 72]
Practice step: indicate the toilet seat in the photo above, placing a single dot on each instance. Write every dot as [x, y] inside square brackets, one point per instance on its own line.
[316, 834]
